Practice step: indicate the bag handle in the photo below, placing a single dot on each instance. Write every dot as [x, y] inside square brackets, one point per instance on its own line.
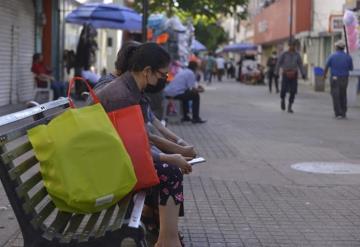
[91, 91]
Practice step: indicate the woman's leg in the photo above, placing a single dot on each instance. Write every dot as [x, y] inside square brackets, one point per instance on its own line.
[169, 215]
[170, 198]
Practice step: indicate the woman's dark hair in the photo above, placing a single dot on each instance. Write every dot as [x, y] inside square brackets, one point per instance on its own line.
[125, 53]
[193, 65]
[149, 54]
[36, 57]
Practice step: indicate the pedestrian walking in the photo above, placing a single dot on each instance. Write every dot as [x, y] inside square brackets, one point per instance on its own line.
[340, 64]
[290, 62]
[230, 69]
[240, 63]
[220, 66]
[271, 65]
[210, 67]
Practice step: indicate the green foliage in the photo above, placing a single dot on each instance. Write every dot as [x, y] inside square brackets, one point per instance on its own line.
[210, 9]
[211, 35]
[205, 15]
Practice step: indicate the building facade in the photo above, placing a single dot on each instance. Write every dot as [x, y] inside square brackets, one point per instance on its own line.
[315, 25]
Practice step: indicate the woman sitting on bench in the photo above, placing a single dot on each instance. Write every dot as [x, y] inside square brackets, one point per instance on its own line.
[148, 63]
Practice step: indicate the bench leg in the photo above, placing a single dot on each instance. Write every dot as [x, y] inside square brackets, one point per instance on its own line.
[141, 240]
[136, 234]
[142, 244]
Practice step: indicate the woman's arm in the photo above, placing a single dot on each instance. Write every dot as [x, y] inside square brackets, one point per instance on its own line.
[168, 134]
[168, 146]
[176, 160]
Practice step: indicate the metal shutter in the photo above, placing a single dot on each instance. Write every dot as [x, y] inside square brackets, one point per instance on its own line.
[16, 49]
[7, 10]
[26, 46]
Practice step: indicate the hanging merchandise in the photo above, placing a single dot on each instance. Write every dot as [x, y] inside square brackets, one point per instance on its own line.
[86, 48]
[185, 40]
[173, 36]
[158, 23]
[351, 26]
[175, 24]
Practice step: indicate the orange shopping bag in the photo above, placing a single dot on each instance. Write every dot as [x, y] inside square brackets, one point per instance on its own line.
[129, 123]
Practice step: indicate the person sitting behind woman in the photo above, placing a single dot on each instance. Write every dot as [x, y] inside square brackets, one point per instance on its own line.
[43, 76]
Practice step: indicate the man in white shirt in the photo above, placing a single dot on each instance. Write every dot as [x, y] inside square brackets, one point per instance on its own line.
[220, 65]
[185, 87]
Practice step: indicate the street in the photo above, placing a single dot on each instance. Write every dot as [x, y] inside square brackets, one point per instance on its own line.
[247, 193]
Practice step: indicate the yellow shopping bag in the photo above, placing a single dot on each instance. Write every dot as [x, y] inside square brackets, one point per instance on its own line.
[84, 164]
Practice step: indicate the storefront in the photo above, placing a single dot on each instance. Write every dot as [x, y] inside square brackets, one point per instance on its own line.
[272, 24]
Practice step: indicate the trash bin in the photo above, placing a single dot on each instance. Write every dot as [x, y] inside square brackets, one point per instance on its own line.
[319, 79]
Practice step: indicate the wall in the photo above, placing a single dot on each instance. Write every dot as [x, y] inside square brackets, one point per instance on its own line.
[272, 23]
[46, 41]
[323, 11]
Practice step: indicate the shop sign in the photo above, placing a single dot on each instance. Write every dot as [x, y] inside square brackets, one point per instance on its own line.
[336, 23]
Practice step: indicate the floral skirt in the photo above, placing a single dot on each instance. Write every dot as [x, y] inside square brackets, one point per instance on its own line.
[171, 185]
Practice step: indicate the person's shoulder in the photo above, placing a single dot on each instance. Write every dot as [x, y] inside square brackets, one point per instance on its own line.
[188, 72]
[348, 56]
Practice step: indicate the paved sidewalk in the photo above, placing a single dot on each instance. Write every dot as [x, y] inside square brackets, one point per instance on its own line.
[247, 194]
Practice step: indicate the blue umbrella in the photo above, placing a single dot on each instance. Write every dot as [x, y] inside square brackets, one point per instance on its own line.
[197, 46]
[239, 47]
[101, 15]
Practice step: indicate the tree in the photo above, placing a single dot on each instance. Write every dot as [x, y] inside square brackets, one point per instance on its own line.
[206, 8]
[211, 35]
[205, 15]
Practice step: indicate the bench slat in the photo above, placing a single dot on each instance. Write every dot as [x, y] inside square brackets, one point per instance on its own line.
[16, 152]
[20, 115]
[44, 213]
[29, 205]
[89, 227]
[75, 222]
[58, 225]
[17, 171]
[105, 221]
[22, 131]
[22, 189]
[123, 206]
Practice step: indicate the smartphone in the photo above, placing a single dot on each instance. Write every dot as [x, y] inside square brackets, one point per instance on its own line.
[196, 161]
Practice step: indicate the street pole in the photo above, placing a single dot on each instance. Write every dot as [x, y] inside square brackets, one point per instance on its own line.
[144, 20]
[346, 41]
[291, 19]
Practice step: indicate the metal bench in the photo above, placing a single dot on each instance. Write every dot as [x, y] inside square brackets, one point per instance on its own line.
[41, 223]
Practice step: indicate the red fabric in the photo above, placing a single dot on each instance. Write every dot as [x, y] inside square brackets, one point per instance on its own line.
[40, 68]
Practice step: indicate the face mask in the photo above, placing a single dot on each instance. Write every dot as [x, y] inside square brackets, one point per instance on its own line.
[161, 83]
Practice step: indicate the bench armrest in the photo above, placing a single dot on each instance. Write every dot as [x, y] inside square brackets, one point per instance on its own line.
[139, 200]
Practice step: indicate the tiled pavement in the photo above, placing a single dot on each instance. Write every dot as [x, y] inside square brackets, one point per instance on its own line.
[233, 213]
[246, 194]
